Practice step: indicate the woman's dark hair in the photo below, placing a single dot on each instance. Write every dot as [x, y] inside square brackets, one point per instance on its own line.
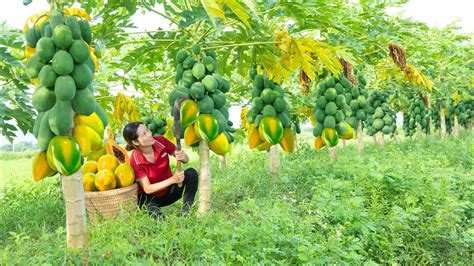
[130, 134]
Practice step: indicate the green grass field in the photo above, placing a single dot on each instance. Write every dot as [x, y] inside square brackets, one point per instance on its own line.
[409, 203]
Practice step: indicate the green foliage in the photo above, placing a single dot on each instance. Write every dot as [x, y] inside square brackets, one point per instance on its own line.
[376, 208]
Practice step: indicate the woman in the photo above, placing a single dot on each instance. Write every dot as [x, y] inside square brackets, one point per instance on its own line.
[158, 186]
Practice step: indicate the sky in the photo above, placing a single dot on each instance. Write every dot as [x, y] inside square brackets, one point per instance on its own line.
[436, 13]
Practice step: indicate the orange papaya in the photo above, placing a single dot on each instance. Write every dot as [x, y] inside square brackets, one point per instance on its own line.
[190, 136]
[318, 143]
[287, 143]
[116, 150]
[254, 137]
[41, 167]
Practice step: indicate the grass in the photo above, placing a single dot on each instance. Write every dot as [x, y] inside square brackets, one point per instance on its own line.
[409, 203]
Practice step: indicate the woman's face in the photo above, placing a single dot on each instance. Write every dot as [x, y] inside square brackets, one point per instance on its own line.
[144, 137]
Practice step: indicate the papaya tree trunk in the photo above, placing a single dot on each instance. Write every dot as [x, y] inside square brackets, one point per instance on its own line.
[418, 130]
[274, 161]
[432, 129]
[360, 138]
[456, 127]
[343, 143]
[76, 226]
[382, 141]
[204, 178]
[375, 139]
[333, 154]
[222, 161]
[443, 124]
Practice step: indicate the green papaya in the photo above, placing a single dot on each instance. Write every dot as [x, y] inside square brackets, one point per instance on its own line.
[43, 99]
[84, 102]
[82, 76]
[65, 88]
[60, 117]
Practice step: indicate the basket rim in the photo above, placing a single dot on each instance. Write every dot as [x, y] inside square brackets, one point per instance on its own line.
[114, 191]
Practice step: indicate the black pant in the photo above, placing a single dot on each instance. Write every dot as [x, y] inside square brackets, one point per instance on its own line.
[153, 203]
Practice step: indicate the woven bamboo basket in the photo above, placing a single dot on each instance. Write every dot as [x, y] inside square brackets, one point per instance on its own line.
[110, 204]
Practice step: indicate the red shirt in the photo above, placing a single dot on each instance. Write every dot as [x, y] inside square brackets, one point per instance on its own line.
[159, 170]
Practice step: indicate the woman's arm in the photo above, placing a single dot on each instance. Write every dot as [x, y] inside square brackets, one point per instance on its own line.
[152, 188]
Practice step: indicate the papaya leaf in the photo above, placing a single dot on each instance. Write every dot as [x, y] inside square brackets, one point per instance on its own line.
[239, 11]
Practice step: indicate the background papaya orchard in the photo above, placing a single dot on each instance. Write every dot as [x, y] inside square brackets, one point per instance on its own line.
[292, 51]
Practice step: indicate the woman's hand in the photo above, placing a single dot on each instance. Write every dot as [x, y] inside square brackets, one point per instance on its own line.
[181, 156]
[178, 177]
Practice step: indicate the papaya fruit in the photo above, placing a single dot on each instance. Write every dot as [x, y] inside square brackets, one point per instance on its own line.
[287, 142]
[41, 167]
[47, 76]
[43, 99]
[73, 25]
[56, 18]
[96, 154]
[199, 71]
[84, 102]
[88, 181]
[329, 137]
[189, 112]
[93, 121]
[82, 76]
[82, 138]
[65, 154]
[63, 64]
[79, 51]
[270, 129]
[108, 162]
[45, 49]
[44, 132]
[86, 32]
[62, 36]
[105, 180]
[206, 126]
[220, 145]
[65, 88]
[33, 66]
[124, 175]
[190, 136]
[60, 117]
[116, 150]
[89, 167]
[318, 143]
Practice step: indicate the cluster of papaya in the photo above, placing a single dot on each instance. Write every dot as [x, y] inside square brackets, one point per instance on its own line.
[417, 114]
[62, 67]
[381, 118]
[333, 106]
[356, 97]
[155, 124]
[464, 111]
[204, 114]
[435, 113]
[268, 119]
[106, 173]
[295, 124]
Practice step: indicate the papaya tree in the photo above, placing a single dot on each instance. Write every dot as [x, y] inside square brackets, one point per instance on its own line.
[70, 123]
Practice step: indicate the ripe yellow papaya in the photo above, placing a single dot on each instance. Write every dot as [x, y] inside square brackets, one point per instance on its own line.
[41, 167]
[287, 143]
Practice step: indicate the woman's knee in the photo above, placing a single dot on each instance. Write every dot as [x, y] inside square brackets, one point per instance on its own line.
[191, 174]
